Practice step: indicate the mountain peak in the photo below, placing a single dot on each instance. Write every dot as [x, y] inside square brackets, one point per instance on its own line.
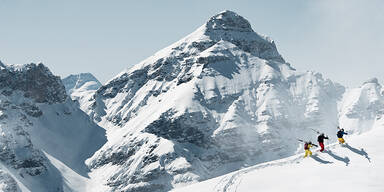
[228, 20]
[82, 81]
[231, 27]
[87, 76]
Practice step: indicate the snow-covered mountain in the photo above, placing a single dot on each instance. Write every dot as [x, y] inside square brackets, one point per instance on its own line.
[217, 100]
[42, 132]
[81, 86]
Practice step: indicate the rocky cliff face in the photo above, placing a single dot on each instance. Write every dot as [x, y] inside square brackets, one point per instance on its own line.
[34, 80]
[219, 99]
[362, 107]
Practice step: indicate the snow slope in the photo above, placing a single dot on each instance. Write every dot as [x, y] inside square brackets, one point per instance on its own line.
[356, 166]
[39, 123]
[217, 100]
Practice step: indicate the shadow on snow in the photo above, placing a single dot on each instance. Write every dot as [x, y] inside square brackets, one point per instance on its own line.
[318, 159]
[359, 152]
[345, 159]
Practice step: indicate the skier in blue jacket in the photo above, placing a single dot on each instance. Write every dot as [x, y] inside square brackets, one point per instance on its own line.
[340, 135]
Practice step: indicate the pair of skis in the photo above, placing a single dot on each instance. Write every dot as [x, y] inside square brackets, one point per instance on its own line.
[306, 141]
[318, 132]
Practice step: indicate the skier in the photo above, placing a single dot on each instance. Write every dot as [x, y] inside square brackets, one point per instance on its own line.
[340, 135]
[307, 148]
[320, 139]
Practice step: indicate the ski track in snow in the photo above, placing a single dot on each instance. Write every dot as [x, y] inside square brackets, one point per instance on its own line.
[231, 182]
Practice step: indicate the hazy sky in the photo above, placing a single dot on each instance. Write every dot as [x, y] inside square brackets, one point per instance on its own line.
[343, 39]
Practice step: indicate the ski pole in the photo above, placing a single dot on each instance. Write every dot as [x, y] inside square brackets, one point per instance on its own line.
[318, 132]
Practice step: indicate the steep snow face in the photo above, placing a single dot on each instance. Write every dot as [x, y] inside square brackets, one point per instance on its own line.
[362, 107]
[81, 87]
[219, 99]
[36, 118]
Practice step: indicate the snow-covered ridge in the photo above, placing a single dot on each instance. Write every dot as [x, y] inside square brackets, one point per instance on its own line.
[38, 120]
[227, 26]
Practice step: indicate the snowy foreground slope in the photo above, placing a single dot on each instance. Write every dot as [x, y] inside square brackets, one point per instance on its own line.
[44, 135]
[220, 99]
[355, 167]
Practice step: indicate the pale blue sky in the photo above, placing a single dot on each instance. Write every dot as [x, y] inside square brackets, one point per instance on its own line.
[343, 39]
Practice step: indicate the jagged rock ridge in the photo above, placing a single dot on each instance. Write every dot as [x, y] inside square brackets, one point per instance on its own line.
[35, 80]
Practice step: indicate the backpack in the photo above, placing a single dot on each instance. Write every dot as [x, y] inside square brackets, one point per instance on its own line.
[306, 146]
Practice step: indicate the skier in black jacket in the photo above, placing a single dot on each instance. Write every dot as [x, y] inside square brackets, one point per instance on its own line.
[320, 139]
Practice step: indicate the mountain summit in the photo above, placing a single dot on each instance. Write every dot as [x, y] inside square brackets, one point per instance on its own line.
[231, 27]
[229, 21]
